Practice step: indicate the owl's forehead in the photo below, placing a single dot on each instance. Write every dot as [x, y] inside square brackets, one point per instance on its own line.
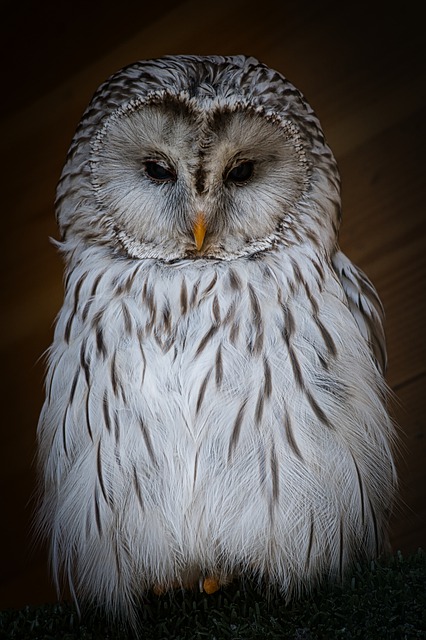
[193, 120]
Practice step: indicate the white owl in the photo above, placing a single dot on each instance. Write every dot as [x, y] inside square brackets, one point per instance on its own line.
[215, 402]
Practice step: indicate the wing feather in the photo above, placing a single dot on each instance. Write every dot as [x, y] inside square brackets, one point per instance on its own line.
[365, 306]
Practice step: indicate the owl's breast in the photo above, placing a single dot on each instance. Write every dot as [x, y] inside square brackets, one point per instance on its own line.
[210, 346]
[244, 343]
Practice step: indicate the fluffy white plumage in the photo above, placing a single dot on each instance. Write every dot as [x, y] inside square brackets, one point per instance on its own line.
[220, 410]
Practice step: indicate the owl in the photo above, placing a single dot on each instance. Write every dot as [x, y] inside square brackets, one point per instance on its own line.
[215, 401]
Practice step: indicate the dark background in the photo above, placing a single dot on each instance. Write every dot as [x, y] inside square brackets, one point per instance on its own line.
[362, 70]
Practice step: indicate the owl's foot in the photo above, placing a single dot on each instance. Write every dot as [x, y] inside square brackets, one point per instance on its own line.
[209, 585]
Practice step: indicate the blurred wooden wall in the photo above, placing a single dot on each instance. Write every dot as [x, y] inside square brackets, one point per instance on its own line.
[361, 67]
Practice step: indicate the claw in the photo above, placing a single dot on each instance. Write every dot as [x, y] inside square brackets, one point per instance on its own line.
[210, 585]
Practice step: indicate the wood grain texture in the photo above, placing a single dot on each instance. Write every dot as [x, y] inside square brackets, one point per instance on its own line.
[363, 72]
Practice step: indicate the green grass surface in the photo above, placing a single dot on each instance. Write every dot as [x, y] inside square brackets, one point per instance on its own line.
[378, 601]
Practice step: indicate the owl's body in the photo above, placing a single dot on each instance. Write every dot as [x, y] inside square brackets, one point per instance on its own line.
[215, 402]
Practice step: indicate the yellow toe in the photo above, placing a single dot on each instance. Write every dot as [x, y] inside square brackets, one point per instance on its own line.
[211, 585]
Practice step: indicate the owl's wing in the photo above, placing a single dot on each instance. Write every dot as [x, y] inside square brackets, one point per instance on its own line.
[365, 306]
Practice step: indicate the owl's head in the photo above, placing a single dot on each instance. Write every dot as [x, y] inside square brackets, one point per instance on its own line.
[198, 157]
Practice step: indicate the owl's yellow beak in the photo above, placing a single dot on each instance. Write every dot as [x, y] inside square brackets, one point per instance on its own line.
[199, 230]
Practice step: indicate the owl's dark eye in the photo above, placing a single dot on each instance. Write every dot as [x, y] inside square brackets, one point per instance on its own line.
[241, 173]
[159, 172]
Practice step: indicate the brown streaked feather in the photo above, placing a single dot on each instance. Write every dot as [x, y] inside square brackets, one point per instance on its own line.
[202, 391]
[87, 414]
[105, 410]
[206, 338]
[147, 439]
[218, 367]
[236, 429]
[100, 473]
[290, 435]
[365, 306]
[127, 319]
[183, 297]
[137, 487]
[275, 477]
[317, 410]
